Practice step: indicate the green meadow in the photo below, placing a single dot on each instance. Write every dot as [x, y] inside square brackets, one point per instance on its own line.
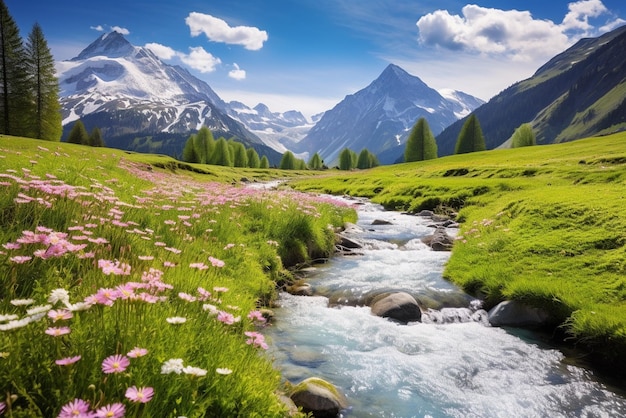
[545, 225]
[134, 284]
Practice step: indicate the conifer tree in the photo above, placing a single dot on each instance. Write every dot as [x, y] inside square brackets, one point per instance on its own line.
[471, 138]
[14, 99]
[316, 163]
[78, 134]
[265, 163]
[288, 161]
[240, 156]
[421, 144]
[189, 151]
[364, 160]
[45, 114]
[523, 136]
[221, 155]
[253, 158]
[95, 138]
[347, 159]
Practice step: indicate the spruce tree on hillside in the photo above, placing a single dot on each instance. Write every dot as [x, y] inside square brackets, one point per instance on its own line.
[189, 151]
[265, 163]
[14, 99]
[523, 136]
[45, 114]
[316, 163]
[253, 158]
[421, 144]
[78, 134]
[221, 155]
[288, 161]
[95, 138]
[241, 157]
[471, 138]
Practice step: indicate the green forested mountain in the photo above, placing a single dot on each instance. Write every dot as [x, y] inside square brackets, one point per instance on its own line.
[580, 92]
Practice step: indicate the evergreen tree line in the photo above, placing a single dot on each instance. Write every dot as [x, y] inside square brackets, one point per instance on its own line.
[421, 144]
[79, 135]
[29, 89]
[202, 148]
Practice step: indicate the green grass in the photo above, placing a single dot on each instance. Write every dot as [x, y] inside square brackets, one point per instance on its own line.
[180, 228]
[545, 225]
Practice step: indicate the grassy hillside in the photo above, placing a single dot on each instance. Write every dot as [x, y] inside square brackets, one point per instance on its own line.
[545, 225]
[126, 273]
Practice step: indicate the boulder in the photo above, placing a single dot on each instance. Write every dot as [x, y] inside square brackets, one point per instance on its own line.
[439, 240]
[515, 314]
[399, 306]
[300, 288]
[381, 222]
[318, 397]
[344, 243]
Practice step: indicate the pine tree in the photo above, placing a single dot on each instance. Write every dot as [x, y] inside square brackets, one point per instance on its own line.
[78, 134]
[347, 159]
[14, 99]
[288, 161]
[364, 160]
[253, 158]
[95, 138]
[45, 115]
[221, 155]
[241, 157]
[421, 144]
[471, 138]
[189, 151]
[523, 136]
[316, 163]
[265, 163]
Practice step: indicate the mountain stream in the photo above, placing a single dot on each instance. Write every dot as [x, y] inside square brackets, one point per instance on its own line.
[453, 364]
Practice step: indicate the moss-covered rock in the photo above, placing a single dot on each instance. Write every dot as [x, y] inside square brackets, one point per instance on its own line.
[318, 397]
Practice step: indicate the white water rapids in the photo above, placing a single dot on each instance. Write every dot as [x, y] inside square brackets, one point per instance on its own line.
[421, 370]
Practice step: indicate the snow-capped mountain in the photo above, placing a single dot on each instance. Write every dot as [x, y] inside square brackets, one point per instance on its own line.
[128, 92]
[277, 130]
[380, 116]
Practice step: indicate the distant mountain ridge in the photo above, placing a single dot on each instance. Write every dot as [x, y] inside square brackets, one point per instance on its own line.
[578, 93]
[380, 116]
[133, 97]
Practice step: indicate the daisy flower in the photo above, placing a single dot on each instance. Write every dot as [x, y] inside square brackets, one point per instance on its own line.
[57, 331]
[176, 320]
[141, 395]
[223, 371]
[174, 365]
[115, 364]
[116, 410]
[194, 371]
[137, 352]
[60, 314]
[67, 361]
[75, 408]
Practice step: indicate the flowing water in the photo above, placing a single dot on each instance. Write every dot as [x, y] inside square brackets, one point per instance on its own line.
[458, 369]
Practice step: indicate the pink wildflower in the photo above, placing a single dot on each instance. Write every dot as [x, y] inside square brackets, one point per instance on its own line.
[169, 264]
[67, 361]
[60, 314]
[218, 289]
[106, 296]
[115, 364]
[20, 259]
[75, 408]
[187, 297]
[204, 294]
[137, 352]
[12, 246]
[256, 316]
[199, 266]
[256, 339]
[226, 318]
[116, 410]
[57, 331]
[141, 395]
[146, 257]
[216, 262]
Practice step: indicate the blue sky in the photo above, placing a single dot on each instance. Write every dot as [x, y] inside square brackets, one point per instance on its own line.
[309, 54]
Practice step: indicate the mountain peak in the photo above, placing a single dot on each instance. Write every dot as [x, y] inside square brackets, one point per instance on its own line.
[394, 74]
[111, 44]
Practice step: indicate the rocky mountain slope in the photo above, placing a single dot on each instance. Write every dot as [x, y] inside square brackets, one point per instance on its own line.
[380, 116]
[578, 93]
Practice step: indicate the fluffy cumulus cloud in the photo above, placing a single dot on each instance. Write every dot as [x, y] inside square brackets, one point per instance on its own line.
[121, 30]
[102, 28]
[237, 73]
[218, 30]
[197, 58]
[509, 32]
[162, 51]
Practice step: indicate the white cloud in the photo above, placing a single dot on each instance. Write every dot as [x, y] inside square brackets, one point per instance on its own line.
[121, 30]
[511, 33]
[98, 28]
[162, 51]
[200, 60]
[217, 30]
[237, 73]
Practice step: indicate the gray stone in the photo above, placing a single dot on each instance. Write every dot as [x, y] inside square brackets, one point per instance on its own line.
[318, 397]
[439, 240]
[400, 306]
[381, 222]
[300, 289]
[515, 314]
